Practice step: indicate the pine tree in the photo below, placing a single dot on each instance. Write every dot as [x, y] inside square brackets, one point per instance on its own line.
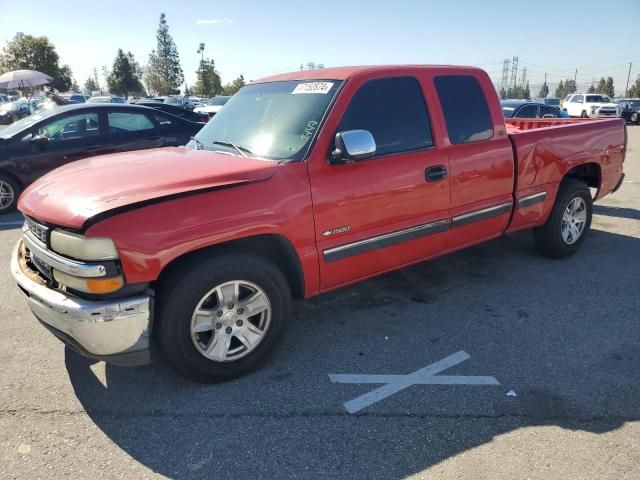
[634, 90]
[503, 94]
[208, 82]
[544, 91]
[164, 74]
[123, 79]
[592, 89]
[560, 90]
[526, 93]
[90, 86]
[608, 87]
[233, 87]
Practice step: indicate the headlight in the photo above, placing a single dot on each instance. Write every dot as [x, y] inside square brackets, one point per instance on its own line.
[83, 248]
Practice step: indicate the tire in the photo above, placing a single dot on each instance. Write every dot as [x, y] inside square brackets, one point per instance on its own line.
[584, 114]
[550, 238]
[195, 285]
[635, 118]
[9, 193]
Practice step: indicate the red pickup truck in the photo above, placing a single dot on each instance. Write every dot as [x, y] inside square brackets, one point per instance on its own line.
[303, 183]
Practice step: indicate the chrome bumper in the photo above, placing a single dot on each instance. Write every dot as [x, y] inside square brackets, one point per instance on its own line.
[116, 331]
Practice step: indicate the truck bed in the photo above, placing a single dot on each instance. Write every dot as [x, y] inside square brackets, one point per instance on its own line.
[546, 149]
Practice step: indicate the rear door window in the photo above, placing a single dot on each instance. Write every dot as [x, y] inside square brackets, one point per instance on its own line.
[465, 108]
[394, 111]
[128, 122]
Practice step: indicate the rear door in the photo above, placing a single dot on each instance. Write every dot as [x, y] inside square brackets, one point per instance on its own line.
[383, 212]
[131, 130]
[480, 159]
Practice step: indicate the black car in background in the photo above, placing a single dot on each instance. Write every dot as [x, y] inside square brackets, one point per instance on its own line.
[629, 109]
[524, 109]
[46, 140]
[174, 110]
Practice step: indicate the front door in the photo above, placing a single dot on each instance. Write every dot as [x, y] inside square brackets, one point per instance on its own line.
[55, 142]
[377, 214]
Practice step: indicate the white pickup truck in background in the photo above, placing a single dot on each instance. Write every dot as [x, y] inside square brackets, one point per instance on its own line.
[590, 105]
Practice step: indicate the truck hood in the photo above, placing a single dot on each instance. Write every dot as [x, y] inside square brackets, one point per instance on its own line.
[79, 191]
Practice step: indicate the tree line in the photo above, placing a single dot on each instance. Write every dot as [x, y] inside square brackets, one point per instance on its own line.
[161, 76]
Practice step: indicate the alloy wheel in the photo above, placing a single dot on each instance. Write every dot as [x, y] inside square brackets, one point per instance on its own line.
[231, 320]
[574, 220]
[6, 195]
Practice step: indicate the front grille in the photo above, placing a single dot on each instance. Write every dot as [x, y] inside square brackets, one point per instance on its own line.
[38, 230]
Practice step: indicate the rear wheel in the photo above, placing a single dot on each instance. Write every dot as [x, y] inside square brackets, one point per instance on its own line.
[569, 222]
[220, 318]
[9, 193]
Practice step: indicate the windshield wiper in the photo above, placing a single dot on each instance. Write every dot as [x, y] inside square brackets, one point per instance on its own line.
[199, 144]
[238, 148]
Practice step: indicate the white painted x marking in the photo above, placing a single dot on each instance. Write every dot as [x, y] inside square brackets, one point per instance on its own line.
[395, 383]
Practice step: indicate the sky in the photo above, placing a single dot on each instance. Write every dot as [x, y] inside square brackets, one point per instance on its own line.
[256, 38]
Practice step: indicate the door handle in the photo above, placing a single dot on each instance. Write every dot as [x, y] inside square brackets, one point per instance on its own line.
[153, 138]
[436, 173]
[91, 148]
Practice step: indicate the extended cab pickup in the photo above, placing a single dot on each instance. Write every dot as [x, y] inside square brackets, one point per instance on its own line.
[304, 183]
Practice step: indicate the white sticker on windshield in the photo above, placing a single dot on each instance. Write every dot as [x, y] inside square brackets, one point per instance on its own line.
[313, 87]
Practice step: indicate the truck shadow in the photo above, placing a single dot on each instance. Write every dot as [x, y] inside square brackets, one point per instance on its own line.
[563, 334]
[619, 212]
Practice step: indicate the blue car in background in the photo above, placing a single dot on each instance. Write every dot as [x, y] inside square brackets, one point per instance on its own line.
[529, 109]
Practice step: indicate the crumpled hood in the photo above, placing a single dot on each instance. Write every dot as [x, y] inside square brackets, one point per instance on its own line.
[74, 193]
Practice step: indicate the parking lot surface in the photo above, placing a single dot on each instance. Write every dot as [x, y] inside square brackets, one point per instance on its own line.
[561, 338]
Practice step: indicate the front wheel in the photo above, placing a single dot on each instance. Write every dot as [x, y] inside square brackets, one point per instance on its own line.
[584, 114]
[569, 222]
[9, 193]
[220, 318]
[635, 118]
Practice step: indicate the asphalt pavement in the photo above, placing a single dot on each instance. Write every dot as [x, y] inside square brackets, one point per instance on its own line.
[561, 339]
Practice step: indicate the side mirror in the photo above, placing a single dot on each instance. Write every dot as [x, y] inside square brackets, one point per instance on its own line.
[39, 140]
[353, 145]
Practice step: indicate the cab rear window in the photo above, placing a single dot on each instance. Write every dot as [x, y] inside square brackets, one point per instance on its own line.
[465, 108]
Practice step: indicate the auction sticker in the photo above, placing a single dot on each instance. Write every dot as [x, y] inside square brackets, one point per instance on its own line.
[313, 87]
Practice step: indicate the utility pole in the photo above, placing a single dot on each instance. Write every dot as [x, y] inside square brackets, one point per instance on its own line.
[514, 73]
[628, 77]
[575, 77]
[505, 74]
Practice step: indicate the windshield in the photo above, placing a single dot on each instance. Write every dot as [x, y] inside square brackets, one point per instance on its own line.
[552, 101]
[98, 100]
[273, 120]
[509, 108]
[173, 101]
[219, 100]
[597, 99]
[23, 124]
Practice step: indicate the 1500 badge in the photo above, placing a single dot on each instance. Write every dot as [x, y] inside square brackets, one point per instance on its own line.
[344, 229]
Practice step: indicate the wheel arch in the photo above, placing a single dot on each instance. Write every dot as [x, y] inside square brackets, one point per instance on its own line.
[276, 248]
[12, 177]
[589, 173]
